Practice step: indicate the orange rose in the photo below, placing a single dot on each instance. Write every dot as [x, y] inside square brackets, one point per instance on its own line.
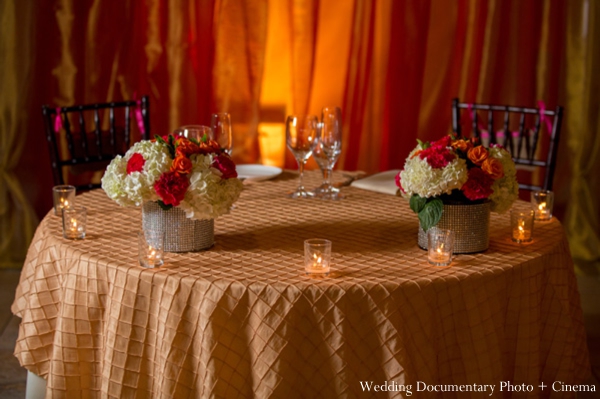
[185, 147]
[462, 145]
[478, 154]
[210, 146]
[181, 165]
[493, 167]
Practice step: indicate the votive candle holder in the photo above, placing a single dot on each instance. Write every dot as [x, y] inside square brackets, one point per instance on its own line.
[74, 222]
[317, 257]
[521, 223]
[440, 246]
[542, 202]
[64, 197]
[151, 248]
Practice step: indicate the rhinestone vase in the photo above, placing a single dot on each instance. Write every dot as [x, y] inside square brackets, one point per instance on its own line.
[181, 234]
[471, 226]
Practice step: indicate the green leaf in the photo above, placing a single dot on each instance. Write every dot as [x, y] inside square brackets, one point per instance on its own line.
[164, 206]
[193, 140]
[417, 203]
[205, 138]
[424, 145]
[160, 139]
[431, 213]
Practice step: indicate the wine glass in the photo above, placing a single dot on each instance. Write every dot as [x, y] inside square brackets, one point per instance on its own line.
[301, 134]
[195, 132]
[221, 127]
[328, 150]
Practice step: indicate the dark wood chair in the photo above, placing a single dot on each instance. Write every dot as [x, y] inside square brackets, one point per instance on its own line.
[531, 135]
[87, 137]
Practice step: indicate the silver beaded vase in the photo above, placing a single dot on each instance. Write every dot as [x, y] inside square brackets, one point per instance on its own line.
[471, 226]
[181, 234]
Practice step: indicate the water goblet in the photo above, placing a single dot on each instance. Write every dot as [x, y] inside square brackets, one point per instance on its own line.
[328, 150]
[194, 132]
[301, 134]
[222, 132]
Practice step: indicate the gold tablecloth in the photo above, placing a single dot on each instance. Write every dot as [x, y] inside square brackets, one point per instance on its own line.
[242, 320]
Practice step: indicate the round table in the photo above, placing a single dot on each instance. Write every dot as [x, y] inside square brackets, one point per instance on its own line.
[243, 320]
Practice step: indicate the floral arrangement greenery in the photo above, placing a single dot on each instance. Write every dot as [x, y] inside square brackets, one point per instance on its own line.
[196, 176]
[457, 170]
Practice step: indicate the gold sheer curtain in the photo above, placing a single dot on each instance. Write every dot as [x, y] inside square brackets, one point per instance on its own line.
[17, 218]
[583, 133]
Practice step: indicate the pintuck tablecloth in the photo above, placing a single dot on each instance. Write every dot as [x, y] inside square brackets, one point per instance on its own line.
[242, 319]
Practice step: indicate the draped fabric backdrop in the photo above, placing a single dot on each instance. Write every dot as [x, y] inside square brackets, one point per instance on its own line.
[393, 66]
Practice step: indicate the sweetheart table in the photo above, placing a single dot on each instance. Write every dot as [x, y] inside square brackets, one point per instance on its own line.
[243, 320]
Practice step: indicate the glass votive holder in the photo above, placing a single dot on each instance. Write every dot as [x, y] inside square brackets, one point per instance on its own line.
[150, 248]
[317, 257]
[440, 244]
[521, 223]
[542, 203]
[64, 197]
[74, 222]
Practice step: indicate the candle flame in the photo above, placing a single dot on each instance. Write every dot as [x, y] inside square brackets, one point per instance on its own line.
[440, 248]
[542, 206]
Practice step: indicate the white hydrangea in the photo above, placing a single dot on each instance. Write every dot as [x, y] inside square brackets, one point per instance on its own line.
[506, 189]
[208, 196]
[135, 188]
[418, 177]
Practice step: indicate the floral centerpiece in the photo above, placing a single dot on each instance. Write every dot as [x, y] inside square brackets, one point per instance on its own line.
[457, 171]
[176, 172]
[177, 181]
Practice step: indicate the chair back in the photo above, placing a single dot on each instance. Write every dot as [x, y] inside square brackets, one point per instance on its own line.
[83, 139]
[531, 135]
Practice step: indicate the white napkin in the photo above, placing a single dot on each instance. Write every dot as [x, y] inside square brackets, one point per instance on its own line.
[384, 182]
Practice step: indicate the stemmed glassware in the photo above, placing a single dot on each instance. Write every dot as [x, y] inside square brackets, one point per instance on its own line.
[301, 135]
[196, 132]
[222, 132]
[328, 150]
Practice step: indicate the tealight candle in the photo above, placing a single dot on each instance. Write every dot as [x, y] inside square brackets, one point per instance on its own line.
[317, 257]
[74, 222]
[64, 197]
[150, 245]
[542, 203]
[522, 225]
[440, 244]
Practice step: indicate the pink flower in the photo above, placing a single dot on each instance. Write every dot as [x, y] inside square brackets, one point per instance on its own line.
[437, 156]
[225, 165]
[171, 187]
[478, 186]
[135, 163]
[442, 143]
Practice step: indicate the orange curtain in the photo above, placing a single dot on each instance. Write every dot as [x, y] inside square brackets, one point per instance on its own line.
[393, 66]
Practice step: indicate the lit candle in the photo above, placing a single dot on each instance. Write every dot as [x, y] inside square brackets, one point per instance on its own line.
[151, 248]
[317, 255]
[522, 225]
[74, 221]
[440, 243]
[542, 202]
[64, 197]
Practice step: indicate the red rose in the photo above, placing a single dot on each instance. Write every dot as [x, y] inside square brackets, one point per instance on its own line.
[225, 165]
[399, 183]
[171, 187]
[135, 163]
[478, 186]
[437, 157]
